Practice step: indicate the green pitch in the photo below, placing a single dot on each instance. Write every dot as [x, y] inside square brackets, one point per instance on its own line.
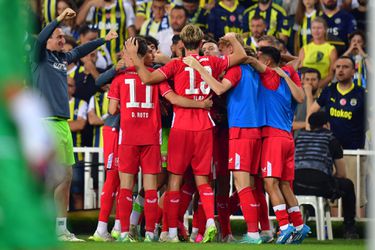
[309, 244]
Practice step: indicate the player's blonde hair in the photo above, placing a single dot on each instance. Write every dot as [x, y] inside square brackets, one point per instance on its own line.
[191, 36]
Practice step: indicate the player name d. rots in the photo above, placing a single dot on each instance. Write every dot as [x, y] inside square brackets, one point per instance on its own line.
[140, 115]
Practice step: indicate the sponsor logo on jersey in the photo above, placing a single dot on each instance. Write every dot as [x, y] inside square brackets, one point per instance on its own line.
[353, 102]
[151, 201]
[59, 66]
[339, 113]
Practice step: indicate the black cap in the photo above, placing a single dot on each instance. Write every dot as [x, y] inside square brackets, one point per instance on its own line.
[318, 119]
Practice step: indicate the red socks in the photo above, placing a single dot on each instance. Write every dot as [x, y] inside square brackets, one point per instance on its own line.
[173, 208]
[165, 215]
[125, 205]
[222, 206]
[234, 203]
[249, 209]
[186, 193]
[201, 218]
[295, 216]
[150, 209]
[281, 215]
[207, 197]
[108, 195]
[263, 207]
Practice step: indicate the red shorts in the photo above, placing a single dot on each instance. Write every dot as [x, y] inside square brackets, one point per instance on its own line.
[220, 151]
[110, 147]
[148, 157]
[245, 146]
[278, 158]
[190, 148]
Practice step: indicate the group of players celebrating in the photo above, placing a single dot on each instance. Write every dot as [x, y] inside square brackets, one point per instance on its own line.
[256, 145]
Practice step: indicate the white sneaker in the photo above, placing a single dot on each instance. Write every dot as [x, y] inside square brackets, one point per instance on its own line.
[163, 237]
[68, 236]
[106, 237]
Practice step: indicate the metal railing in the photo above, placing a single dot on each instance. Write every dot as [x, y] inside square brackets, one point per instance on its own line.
[92, 199]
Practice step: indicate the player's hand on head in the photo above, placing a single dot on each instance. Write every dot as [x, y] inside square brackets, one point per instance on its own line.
[111, 35]
[131, 46]
[191, 61]
[208, 103]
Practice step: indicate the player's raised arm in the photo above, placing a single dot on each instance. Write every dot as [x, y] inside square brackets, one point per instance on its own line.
[218, 87]
[239, 55]
[45, 34]
[86, 48]
[297, 92]
[146, 76]
[258, 65]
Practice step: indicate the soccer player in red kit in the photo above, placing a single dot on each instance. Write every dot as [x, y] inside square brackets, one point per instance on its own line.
[140, 138]
[190, 140]
[281, 87]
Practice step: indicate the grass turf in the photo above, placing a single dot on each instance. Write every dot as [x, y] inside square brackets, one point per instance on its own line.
[309, 244]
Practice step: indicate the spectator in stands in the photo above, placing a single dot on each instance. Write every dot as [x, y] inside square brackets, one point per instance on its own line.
[316, 153]
[178, 20]
[290, 6]
[196, 14]
[89, 32]
[340, 24]
[258, 29]
[319, 54]
[225, 17]
[344, 103]
[310, 79]
[159, 20]
[85, 75]
[357, 47]
[360, 15]
[307, 10]
[143, 13]
[67, 26]
[275, 16]
[77, 122]
[117, 15]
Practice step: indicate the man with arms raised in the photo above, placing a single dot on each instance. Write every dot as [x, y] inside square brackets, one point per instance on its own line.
[49, 77]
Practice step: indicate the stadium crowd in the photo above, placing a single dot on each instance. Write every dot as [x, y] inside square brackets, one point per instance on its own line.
[189, 90]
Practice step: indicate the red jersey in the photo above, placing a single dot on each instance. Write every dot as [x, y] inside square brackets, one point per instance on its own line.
[140, 120]
[271, 80]
[188, 83]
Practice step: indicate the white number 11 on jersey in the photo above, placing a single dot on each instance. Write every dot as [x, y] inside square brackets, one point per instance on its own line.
[133, 103]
